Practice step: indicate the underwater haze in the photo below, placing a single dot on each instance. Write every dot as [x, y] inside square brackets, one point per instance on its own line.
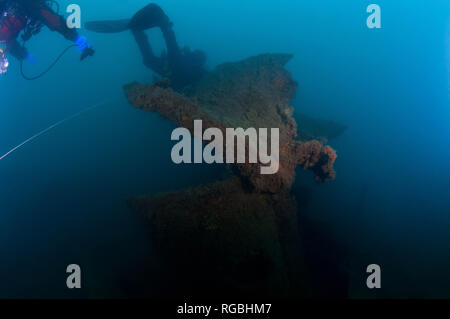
[63, 195]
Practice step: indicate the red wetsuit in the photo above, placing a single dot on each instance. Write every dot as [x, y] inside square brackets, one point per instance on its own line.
[17, 15]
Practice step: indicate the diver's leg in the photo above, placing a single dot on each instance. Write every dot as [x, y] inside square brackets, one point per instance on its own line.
[153, 16]
[53, 21]
[149, 58]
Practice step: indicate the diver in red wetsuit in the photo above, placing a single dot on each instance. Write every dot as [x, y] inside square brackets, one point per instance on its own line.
[29, 16]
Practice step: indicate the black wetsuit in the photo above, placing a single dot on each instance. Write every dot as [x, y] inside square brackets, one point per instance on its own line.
[153, 16]
[181, 66]
[23, 15]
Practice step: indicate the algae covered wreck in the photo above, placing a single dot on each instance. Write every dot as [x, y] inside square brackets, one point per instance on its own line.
[238, 235]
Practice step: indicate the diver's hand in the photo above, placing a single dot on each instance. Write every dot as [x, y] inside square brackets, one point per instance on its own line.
[84, 47]
[88, 51]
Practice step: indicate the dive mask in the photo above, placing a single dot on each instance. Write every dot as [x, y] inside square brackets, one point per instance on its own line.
[4, 64]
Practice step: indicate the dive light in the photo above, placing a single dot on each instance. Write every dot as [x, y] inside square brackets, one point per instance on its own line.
[4, 64]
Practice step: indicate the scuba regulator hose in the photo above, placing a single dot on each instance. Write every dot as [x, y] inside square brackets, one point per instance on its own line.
[50, 67]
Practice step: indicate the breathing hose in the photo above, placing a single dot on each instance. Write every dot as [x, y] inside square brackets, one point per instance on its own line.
[50, 66]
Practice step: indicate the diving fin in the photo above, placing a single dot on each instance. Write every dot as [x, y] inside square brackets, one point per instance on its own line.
[111, 26]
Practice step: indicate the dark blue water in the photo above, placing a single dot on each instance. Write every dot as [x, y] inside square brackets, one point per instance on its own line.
[62, 197]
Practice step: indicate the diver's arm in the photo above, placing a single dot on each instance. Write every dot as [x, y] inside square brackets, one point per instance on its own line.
[56, 23]
[149, 59]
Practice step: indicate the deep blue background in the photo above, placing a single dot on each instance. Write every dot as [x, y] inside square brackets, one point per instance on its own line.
[62, 197]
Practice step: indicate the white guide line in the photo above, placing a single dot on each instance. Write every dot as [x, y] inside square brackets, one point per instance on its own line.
[49, 128]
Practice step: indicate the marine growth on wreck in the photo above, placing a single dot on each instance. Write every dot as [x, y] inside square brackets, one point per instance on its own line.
[217, 234]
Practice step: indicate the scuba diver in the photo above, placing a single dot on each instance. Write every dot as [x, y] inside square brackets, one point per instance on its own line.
[181, 66]
[29, 16]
